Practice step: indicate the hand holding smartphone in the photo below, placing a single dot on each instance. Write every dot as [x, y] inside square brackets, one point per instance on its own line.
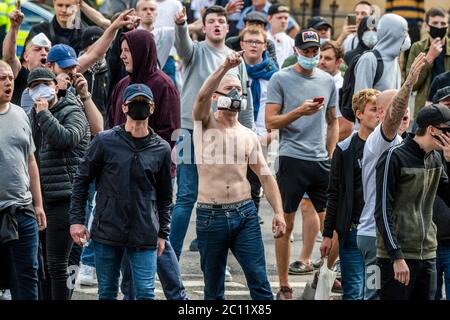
[319, 100]
[351, 19]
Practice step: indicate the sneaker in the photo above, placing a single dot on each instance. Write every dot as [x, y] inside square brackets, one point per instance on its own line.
[194, 245]
[260, 219]
[5, 295]
[292, 237]
[299, 268]
[87, 276]
[317, 263]
[228, 276]
[337, 286]
[285, 293]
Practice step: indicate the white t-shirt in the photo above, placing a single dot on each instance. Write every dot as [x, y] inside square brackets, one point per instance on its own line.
[284, 46]
[166, 12]
[338, 81]
[375, 145]
[261, 117]
[350, 43]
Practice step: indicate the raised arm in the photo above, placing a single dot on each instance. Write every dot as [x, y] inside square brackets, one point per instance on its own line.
[101, 46]
[95, 16]
[9, 44]
[202, 105]
[183, 43]
[397, 108]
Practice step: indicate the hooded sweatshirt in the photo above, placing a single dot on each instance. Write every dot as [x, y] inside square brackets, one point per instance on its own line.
[391, 34]
[348, 57]
[166, 117]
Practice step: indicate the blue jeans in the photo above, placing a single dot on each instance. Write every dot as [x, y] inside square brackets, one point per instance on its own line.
[22, 255]
[368, 248]
[352, 268]
[88, 257]
[238, 230]
[168, 272]
[443, 270]
[187, 189]
[143, 267]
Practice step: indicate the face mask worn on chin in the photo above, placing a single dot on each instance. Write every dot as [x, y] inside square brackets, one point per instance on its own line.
[42, 91]
[308, 63]
[437, 32]
[231, 101]
[370, 38]
[138, 110]
[406, 44]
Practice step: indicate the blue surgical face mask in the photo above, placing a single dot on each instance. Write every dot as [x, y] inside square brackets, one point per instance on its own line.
[308, 63]
[42, 91]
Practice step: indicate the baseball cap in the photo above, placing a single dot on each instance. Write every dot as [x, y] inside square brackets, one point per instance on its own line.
[90, 35]
[64, 55]
[43, 74]
[307, 38]
[441, 94]
[257, 17]
[41, 40]
[317, 22]
[137, 90]
[433, 115]
[277, 8]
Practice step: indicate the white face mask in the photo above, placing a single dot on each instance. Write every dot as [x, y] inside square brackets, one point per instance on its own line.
[42, 91]
[406, 44]
[370, 38]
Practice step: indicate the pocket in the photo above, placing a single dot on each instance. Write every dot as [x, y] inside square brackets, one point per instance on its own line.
[249, 212]
[203, 222]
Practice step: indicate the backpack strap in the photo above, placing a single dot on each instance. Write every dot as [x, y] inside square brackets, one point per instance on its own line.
[380, 67]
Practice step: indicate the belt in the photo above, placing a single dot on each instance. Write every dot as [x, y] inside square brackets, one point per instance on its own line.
[225, 206]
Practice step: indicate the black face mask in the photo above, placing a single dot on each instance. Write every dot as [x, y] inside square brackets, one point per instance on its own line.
[437, 32]
[139, 110]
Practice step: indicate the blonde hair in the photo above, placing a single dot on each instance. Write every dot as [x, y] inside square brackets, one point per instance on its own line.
[361, 98]
[251, 29]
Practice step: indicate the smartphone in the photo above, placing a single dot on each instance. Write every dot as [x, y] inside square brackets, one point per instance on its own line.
[318, 99]
[351, 19]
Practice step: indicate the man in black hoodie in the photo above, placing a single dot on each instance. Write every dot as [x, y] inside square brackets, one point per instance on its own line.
[131, 166]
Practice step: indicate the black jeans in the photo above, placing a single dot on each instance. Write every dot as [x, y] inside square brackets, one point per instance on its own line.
[58, 244]
[422, 280]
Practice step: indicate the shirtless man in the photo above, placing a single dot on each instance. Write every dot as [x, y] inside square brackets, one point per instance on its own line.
[226, 215]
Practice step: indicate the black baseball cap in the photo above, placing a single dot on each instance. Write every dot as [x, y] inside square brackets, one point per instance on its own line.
[90, 35]
[441, 94]
[278, 8]
[307, 38]
[40, 74]
[433, 115]
[317, 22]
[256, 17]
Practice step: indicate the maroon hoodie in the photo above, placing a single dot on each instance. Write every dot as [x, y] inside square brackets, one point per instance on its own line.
[166, 117]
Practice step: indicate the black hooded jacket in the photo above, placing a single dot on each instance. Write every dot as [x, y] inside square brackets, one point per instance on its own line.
[134, 189]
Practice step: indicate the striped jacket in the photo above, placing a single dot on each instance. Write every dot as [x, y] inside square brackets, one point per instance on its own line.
[407, 183]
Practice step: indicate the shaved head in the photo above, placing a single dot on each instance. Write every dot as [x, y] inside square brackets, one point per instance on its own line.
[385, 98]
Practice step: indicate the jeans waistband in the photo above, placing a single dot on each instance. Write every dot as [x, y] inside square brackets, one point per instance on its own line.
[225, 206]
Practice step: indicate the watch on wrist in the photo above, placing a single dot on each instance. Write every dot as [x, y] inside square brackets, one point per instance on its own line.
[86, 97]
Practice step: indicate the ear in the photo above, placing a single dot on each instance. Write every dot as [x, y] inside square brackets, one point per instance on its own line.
[152, 108]
[359, 115]
[124, 108]
[339, 61]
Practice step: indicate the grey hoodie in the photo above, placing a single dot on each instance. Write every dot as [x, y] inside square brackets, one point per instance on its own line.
[391, 34]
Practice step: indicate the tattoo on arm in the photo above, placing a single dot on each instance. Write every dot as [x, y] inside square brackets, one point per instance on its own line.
[330, 115]
[396, 110]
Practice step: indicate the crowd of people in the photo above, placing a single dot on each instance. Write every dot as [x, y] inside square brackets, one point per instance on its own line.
[108, 111]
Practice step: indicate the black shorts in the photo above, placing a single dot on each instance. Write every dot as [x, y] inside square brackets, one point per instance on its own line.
[295, 177]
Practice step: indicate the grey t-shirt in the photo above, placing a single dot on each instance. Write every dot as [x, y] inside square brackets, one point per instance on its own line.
[16, 145]
[305, 138]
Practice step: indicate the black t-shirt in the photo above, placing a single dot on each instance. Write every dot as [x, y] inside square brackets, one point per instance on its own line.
[358, 199]
[438, 66]
[20, 84]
